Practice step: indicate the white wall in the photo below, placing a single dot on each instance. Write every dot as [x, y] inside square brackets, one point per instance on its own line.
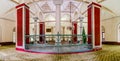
[7, 30]
[111, 28]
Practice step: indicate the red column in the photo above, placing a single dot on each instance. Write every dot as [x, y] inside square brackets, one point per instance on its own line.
[22, 25]
[42, 32]
[74, 32]
[27, 24]
[94, 25]
[89, 24]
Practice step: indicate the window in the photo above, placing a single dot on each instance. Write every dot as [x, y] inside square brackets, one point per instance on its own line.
[48, 30]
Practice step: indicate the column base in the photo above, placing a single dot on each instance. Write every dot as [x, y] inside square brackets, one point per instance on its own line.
[20, 49]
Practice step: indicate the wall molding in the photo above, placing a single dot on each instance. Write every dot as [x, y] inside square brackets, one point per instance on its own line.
[111, 18]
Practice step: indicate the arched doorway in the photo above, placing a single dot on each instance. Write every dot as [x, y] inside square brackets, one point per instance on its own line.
[14, 35]
[103, 33]
[118, 33]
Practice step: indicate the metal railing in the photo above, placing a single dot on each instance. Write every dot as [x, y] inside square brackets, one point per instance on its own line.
[57, 39]
[59, 43]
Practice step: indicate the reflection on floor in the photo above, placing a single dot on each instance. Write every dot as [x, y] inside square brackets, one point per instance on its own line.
[58, 48]
[108, 53]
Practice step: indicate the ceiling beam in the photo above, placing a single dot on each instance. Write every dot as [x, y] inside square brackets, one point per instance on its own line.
[15, 8]
[101, 1]
[107, 9]
[103, 7]
[83, 1]
[79, 13]
[38, 6]
[111, 18]
[7, 19]
[15, 1]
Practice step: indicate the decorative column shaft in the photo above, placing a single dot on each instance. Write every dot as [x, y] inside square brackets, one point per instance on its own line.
[22, 26]
[58, 17]
[94, 25]
[42, 32]
[58, 20]
[74, 32]
[81, 27]
[35, 29]
[81, 24]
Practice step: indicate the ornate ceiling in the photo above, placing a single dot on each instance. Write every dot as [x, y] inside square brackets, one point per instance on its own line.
[43, 8]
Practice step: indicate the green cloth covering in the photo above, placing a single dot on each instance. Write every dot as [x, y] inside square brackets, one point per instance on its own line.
[84, 36]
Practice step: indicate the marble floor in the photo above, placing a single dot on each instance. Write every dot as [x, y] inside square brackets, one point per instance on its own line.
[108, 53]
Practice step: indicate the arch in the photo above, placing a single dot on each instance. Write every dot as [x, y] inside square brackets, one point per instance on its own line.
[65, 17]
[118, 29]
[49, 17]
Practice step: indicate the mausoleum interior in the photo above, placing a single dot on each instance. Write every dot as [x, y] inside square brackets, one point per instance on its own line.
[61, 23]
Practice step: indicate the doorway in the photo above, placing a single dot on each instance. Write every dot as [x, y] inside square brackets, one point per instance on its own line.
[14, 35]
[103, 34]
[118, 33]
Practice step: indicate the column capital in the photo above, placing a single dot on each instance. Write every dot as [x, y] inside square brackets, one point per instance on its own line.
[21, 5]
[95, 4]
[57, 2]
